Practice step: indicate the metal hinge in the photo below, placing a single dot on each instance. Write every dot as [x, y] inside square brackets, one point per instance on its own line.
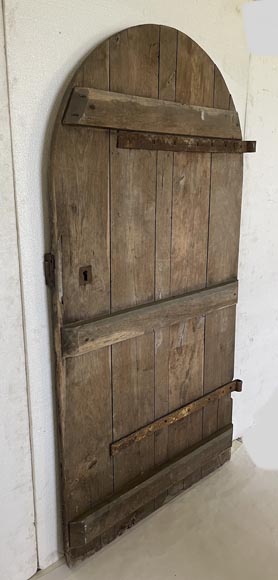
[49, 270]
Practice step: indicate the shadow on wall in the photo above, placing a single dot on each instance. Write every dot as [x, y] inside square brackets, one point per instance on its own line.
[261, 439]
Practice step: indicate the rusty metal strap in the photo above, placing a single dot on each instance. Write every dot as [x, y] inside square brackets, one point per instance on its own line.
[174, 417]
[182, 143]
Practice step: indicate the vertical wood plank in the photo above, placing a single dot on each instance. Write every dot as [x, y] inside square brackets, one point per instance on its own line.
[133, 387]
[134, 61]
[195, 74]
[88, 465]
[191, 183]
[191, 186]
[163, 223]
[219, 362]
[133, 70]
[226, 188]
[167, 63]
[225, 209]
[221, 98]
[81, 195]
[185, 381]
[133, 184]
[80, 220]
[162, 344]
[164, 194]
[83, 222]
[225, 406]
[224, 228]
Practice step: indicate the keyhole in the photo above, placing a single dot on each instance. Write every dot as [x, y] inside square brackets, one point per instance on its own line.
[85, 275]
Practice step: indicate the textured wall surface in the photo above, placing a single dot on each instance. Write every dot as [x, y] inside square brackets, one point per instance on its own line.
[257, 320]
[18, 558]
[46, 39]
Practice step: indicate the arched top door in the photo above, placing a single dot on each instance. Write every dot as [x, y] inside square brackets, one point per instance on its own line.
[145, 186]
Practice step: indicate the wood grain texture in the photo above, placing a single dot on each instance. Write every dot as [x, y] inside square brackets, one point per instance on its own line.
[163, 230]
[83, 530]
[112, 110]
[164, 192]
[83, 222]
[85, 336]
[133, 70]
[64, 175]
[185, 381]
[219, 360]
[133, 185]
[167, 63]
[221, 96]
[134, 61]
[162, 344]
[225, 209]
[133, 400]
[191, 187]
[132, 227]
[88, 465]
[195, 74]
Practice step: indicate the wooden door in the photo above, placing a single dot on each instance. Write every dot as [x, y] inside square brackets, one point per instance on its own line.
[145, 187]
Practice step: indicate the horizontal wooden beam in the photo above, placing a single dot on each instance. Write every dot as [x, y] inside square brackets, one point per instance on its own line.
[158, 142]
[84, 529]
[96, 108]
[175, 416]
[85, 336]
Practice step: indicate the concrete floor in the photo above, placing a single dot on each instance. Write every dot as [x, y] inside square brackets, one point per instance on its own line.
[225, 528]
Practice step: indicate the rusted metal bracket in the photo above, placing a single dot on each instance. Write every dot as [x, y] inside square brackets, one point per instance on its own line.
[175, 416]
[158, 142]
[49, 270]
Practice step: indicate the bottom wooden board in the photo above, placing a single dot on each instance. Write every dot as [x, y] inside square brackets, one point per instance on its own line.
[114, 517]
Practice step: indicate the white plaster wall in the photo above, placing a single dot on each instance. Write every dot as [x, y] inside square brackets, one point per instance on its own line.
[18, 557]
[257, 320]
[45, 40]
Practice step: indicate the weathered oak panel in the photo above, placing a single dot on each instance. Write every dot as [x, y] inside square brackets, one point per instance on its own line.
[163, 230]
[145, 186]
[225, 208]
[106, 109]
[133, 70]
[79, 338]
[84, 529]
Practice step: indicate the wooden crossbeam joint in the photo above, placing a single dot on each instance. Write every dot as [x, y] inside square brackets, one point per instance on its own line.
[89, 526]
[85, 336]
